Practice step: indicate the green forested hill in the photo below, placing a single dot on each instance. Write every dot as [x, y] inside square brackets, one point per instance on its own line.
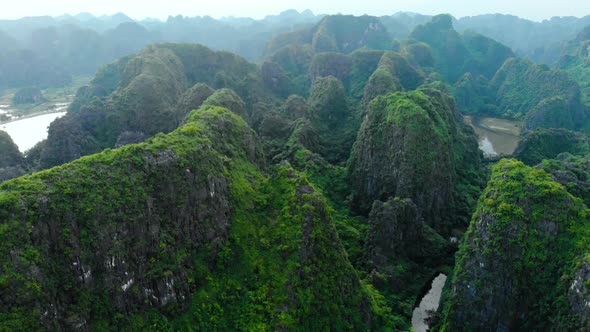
[523, 262]
[185, 230]
[322, 188]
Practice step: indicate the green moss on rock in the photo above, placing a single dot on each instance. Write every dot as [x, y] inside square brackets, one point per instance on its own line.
[183, 231]
[548, 143]
[227, 98]
[516, 265]
[520, 85]
[411, 145]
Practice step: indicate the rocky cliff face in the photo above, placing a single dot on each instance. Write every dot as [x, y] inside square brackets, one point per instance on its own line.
[9, 153]
[397, 233]
[11, 160]
[548, 144]
[393, 74]
[455, 54]
[149, 93]
[185, 225]
[119, 227]
[408, 147]
[401, 150]
[520, 85]
[575, 59]
[522, 263]
[572, 172]
[556, 112]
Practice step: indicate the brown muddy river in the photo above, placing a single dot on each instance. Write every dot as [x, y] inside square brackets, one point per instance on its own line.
[496, 136]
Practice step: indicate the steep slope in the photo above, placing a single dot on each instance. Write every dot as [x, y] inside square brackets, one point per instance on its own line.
[473, 95]
[338, 33]
[540, 42]
[555, 112]
[571, 171]
[522, 264]
[549, 143]
[520, 86]
[402, 254]
[145, 93]
[412, 145]
[12, 163]
[575, 59]
[184, 226]
[394, 73]
[456, 54]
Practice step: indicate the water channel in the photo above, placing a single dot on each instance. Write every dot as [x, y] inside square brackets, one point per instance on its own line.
[31, 130]
[496, 136]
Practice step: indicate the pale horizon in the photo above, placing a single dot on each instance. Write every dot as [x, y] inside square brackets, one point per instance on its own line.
[258, 9]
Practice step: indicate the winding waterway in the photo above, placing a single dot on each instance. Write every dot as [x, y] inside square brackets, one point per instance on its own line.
[29, 131]
[429, 303]
[496, 136]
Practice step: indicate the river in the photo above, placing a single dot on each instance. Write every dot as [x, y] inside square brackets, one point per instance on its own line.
[429, 303]
[29, 131]
[496, 136]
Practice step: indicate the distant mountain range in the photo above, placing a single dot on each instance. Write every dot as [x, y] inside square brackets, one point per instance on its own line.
[80, 44]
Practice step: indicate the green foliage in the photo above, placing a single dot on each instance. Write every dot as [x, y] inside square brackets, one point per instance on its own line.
[295, 62]
[520, 85]
[289, 40]
[276, 270]
[548, 143]
[345, 34]
[142, 93]
[487, 55]
[411, 144]
[279, 265]
[418, 53]
[473, 95]
[516, 263]
[12, 162]
[227, 98]
[409, 76]
[332, 118]
[555, 112]
[60, 226]
[192, 231]
[364, 63]
[328, 102]
[448, 49]
[331, 64]
[394, 73]
[572, 171]
[30, 95]
[382, 82]
[575, 60]
[455, 54]
[194, 97]
[9, 153]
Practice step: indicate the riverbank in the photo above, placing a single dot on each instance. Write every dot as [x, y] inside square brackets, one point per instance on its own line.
[34, 115]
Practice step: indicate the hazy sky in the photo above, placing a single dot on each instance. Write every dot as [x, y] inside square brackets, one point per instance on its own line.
[138, 9]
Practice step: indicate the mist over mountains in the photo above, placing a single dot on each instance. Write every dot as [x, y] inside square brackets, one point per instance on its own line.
[297, 173]
[59, 47]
